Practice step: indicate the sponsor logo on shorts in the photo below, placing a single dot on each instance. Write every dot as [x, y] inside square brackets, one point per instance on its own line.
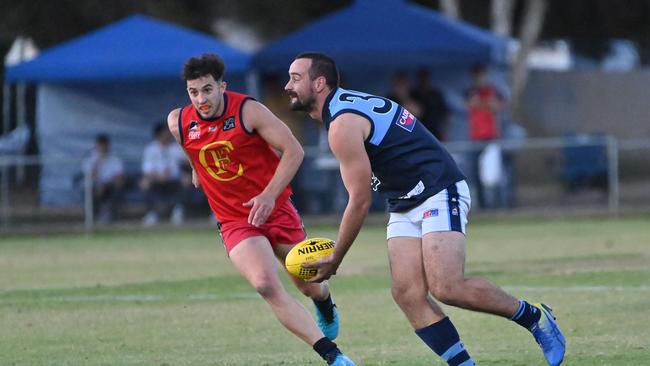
[430, 213]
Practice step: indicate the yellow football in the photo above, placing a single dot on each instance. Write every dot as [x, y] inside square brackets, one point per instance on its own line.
[309, 250]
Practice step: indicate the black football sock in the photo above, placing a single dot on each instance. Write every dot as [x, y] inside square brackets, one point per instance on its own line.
[326, 307]
[326, 349]
[526, 315]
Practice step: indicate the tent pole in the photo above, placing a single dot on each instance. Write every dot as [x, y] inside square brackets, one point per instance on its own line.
[4, 165]
[20, 104]
[89, 217]
[21, 119]
[6, 107]
[253, 84]
[4, 192]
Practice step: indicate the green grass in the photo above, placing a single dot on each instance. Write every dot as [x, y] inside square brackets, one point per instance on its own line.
[172, 298]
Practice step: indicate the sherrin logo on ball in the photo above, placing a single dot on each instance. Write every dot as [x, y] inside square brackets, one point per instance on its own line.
[309, 250]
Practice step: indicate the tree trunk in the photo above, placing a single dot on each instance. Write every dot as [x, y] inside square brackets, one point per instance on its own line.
[450, 8]
[502, 17]
[531, 27]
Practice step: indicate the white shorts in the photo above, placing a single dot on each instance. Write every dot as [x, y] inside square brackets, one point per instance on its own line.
[445, 211]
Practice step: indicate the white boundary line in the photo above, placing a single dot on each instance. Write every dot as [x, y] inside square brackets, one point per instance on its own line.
[252, 295]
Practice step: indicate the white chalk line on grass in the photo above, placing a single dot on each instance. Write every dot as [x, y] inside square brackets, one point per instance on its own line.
[252, 295]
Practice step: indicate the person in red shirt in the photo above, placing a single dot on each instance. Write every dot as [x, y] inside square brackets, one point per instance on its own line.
[244, 157]
[484, 104]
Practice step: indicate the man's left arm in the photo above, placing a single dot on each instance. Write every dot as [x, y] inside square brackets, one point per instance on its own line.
[256, 117]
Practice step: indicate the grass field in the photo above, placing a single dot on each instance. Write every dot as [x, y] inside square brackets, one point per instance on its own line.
[170, 297]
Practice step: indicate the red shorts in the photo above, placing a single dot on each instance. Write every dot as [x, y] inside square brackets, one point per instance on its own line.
[284, 226]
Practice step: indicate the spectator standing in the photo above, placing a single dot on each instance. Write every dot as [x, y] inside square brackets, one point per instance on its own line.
[401, 93]
[484, 104]
[434, 111]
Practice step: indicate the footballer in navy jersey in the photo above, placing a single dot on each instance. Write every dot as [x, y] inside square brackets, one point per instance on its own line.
[408, 163]
[380, 144]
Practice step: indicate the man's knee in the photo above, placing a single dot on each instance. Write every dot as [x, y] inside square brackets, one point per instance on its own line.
[266, 287]
[405, 293]
[311, 290]
[449, 293]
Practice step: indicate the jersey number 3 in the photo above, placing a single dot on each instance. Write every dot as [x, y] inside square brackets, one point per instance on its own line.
[385, 108]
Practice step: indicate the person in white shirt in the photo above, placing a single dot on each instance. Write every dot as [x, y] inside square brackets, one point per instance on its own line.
[161, 177]
[107, 174]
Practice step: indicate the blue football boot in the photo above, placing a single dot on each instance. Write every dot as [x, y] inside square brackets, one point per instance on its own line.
[328, 325]
[548, 336]
[341, 360]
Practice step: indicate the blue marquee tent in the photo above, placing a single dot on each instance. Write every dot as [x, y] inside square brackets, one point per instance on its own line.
[372, 39]
[386, 34]
[119, 80]
[137, 47]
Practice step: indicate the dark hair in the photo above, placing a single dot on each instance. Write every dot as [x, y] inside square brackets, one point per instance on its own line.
[206, 64]
[478, 69]
[322, 65]
[102, 138]
[158, 128]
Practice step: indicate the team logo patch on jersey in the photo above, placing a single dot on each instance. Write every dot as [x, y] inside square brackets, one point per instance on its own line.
[216, 158]
[430, 213]
[195, 131]
[406, 120]
[229, 124]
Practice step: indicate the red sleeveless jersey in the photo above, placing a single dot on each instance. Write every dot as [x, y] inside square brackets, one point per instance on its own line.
[234, 164]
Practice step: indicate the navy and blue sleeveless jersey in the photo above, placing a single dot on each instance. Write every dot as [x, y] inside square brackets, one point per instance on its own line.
[408, 163]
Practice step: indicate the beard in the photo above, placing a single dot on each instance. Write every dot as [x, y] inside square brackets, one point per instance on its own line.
[306, 105]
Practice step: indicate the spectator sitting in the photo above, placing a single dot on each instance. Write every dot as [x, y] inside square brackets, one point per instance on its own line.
[107, 174]
[193, 199]
[161, 178]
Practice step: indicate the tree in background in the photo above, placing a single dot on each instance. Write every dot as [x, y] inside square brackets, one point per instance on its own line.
[587, 24]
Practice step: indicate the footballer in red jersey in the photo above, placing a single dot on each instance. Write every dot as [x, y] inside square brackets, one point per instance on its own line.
[243, 158]
[234, 166]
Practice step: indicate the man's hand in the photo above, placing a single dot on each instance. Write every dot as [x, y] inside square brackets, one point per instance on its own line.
[261, 208]
[326, 266]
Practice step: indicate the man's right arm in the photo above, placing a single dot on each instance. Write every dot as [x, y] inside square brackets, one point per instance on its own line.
[346, 138]
[172, 124]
